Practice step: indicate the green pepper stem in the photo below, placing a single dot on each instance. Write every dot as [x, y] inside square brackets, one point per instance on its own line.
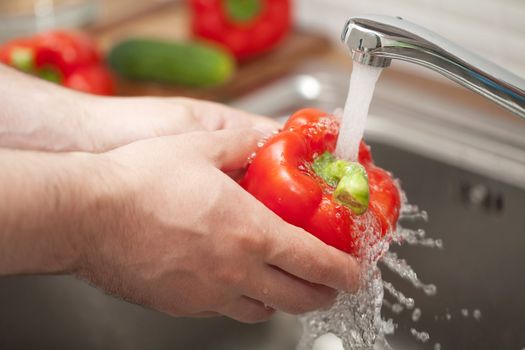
[50, 74]
[23, 59]
[243, 10]
[349, 179]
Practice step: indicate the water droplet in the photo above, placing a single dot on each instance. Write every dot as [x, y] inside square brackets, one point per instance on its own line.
[401, 298]
[416, 314]
[421, 336]
[448, 316]
[476, 314]
[260, 144]
[397, 308]
[265, 291]
[430, 289]
[437, 346]
[388, 327]
[251, 157]
[464, 312]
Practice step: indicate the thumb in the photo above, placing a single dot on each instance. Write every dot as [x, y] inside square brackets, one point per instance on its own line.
[230, 149]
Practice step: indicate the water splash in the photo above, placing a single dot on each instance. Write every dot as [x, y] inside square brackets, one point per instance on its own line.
[405, 271]
[401, 298]
[356, 318]
[421, 336]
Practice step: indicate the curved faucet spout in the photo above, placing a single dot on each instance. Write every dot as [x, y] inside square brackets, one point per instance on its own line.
[377, 40]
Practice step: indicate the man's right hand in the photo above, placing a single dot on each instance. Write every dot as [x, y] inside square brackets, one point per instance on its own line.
[172, 231]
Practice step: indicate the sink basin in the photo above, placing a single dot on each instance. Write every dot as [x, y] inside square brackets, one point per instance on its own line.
[466, 169]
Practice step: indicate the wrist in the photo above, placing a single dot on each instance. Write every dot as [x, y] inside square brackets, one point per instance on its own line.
[38, 115]
[41, 199]
[106, 206]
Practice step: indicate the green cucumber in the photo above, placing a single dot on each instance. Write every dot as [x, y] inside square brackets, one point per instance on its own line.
[190, 63]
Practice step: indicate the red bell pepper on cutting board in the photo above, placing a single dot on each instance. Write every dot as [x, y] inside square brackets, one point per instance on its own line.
[246, 27]
[69, 58]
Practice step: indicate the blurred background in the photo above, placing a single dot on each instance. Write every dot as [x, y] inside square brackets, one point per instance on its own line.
[492, 29]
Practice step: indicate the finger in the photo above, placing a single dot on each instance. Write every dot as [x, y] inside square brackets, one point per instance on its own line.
[236, 175]
[294, 250]
[288, 293]
[229, 150]
[205, 314]
[303, 255]
[216, 116]
[247, 310]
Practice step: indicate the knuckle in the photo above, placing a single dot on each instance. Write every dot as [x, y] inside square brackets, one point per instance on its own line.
[252, 241]
[217, 153]
[321, 267]
[231, 276]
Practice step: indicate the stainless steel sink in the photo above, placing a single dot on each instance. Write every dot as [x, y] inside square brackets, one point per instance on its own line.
[466, 169]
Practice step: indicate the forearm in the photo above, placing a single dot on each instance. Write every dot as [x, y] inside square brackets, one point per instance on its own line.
[43, 201]
[35, 114]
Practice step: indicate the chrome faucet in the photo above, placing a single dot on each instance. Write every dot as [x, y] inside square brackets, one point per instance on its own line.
[376, 40]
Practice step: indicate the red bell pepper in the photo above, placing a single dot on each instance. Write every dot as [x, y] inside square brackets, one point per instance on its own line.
[68, 58]
[94, 79]
[246, 27]
[342, 203]
[65, 51]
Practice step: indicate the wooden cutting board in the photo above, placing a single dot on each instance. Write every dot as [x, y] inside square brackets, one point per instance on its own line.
[171, 20]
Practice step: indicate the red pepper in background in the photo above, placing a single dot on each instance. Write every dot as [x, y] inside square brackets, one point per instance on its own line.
[93, 79]
[69, 58]
[296, 176]
[18, 53]
[66, 51]
[246, 27]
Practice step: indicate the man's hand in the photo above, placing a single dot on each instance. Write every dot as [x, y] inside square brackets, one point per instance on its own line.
[39, 115]
[158, 221]
[186, 239]
[113, 122]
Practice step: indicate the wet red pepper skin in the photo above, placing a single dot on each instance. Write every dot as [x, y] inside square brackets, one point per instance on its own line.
[281, 178]
[245, 39]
